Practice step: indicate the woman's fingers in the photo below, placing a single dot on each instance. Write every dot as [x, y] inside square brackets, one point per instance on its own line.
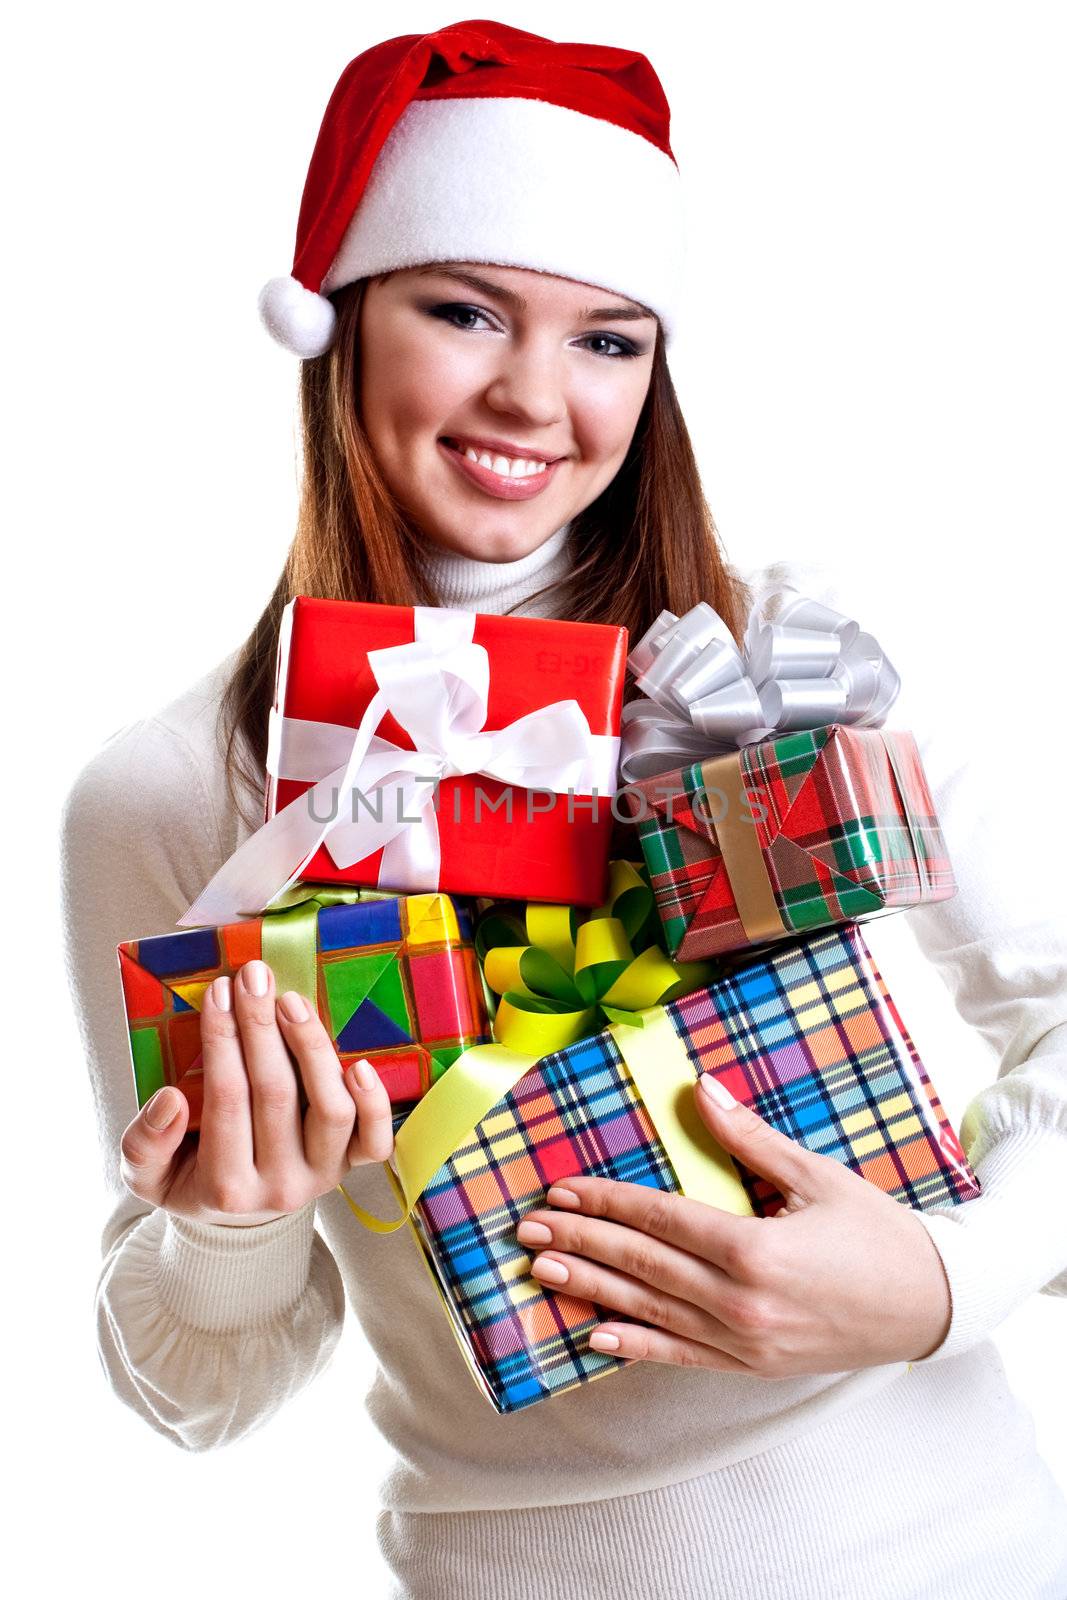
[373, 1138]
[225, 1155]
[277, 1133]
[149, 1145]
[256, 1148]
[330, 1116]
[629, 1341]
[336, 1099]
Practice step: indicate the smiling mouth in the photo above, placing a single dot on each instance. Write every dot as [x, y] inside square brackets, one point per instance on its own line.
[495, 461]
[529, 481]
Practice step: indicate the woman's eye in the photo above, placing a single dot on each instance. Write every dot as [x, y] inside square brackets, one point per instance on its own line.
[465, 316]
[623, 347]
[451, 313]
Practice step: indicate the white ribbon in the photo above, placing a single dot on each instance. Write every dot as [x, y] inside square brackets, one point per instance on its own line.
[369, 794]
[701, 696]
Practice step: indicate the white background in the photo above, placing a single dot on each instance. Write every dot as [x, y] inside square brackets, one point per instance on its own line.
[875, 365]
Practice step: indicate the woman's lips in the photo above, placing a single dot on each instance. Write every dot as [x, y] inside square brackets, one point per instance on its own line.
[500, 488]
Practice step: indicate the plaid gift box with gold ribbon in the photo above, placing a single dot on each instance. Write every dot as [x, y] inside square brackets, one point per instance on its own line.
[790, 834]
[768, 796]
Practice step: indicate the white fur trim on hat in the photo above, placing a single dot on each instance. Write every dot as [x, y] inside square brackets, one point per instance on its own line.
[302, 321]
[523, 183]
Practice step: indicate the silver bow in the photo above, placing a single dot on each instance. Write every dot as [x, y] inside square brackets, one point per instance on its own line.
[701, 696]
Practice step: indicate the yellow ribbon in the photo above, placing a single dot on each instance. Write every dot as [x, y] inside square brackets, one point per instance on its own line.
[563, 978]
[448, 1114]
[662, 1070]
[442, 1121]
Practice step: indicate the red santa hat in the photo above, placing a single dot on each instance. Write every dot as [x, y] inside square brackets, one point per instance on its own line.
[480, 142]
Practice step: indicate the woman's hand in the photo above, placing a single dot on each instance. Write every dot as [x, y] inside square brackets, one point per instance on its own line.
[844, 1277]
[256, 1159]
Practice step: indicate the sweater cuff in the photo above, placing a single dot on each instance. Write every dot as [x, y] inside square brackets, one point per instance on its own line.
[1008, 1242]
[222, 1279]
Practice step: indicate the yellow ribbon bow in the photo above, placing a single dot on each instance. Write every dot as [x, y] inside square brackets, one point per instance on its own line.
[562, 976]
[606, 964]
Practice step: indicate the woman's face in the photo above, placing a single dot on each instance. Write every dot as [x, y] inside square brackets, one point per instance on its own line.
[463, 359]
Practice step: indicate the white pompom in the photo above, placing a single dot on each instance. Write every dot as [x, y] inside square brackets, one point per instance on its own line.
[302, 321]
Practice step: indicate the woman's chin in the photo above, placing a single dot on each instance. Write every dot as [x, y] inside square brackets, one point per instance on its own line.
[488, 548]
[494, 544]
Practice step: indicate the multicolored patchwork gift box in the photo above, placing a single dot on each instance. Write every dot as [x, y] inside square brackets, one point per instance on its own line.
[807, 1035]
[789, 834]
[416, 748]
[395, 979]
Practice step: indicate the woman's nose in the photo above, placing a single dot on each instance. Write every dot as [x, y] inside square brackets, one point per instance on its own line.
[529, 384]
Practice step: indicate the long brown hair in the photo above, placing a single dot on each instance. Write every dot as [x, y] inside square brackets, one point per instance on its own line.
[647, 542]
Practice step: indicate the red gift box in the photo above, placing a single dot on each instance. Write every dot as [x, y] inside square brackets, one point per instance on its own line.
[552, 846]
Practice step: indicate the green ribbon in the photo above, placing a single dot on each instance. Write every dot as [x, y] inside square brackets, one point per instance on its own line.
[289, 933]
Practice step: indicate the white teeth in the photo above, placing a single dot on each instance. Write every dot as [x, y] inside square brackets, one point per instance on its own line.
[504, 466]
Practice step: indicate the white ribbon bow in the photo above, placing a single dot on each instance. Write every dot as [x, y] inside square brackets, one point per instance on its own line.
[809, 667]
[369, 794]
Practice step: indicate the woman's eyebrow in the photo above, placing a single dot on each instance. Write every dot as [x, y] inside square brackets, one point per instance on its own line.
[627, 313]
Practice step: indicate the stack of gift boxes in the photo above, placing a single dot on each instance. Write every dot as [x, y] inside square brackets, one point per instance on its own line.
[433, 871]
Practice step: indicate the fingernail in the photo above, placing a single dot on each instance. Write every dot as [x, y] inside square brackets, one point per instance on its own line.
[255, 976]
[222, 994]
[294, 1007]
[562, 1197]
[534, 1233]
[717, 1092]
[603, 1341]
[161, 1110]
[551, 1271]
[365, 1075]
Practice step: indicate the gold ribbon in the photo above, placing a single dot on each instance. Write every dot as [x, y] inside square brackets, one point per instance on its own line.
[444, 1119]
[745, 863]
[916, 833]
[561, 978]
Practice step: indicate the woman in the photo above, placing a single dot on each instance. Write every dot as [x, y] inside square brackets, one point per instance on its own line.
[797, 1393]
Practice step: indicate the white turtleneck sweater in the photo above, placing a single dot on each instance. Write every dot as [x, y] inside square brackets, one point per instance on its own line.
[656, 1479]
[499, 586]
